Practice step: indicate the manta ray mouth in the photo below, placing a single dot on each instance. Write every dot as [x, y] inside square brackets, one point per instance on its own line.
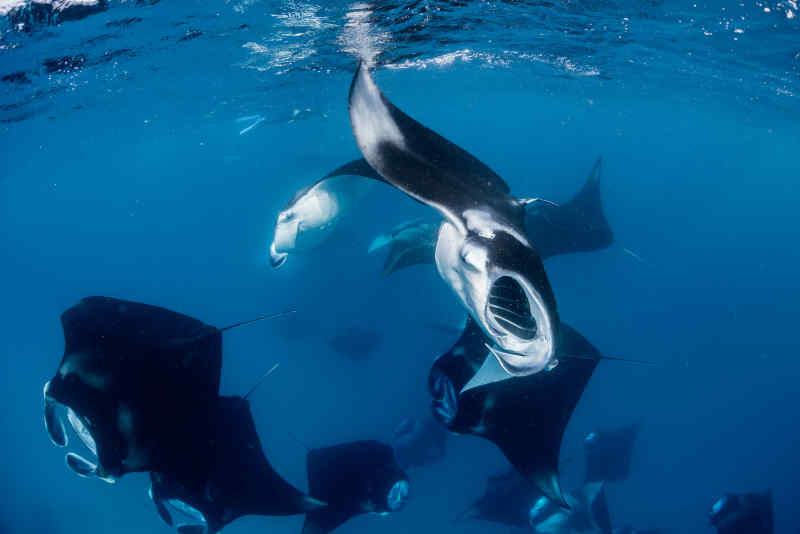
[54, 425]
[509, 310]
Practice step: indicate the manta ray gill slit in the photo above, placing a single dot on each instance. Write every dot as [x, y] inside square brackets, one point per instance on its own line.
[508, 307]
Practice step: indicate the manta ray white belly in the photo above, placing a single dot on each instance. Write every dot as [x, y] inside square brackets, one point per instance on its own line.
[309, 220]
[520, 325]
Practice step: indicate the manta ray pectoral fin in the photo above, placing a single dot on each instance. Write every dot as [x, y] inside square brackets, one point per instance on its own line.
[419, 161]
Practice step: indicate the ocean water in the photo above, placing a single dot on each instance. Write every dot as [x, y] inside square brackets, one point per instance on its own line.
[146, 149]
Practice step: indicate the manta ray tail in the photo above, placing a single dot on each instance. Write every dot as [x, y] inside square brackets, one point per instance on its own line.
[611, 358]
[260, 381]
[262, 318]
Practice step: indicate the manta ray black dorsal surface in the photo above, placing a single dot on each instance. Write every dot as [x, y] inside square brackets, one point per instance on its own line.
[524, 416]
[135, 379]
[579, 225]
[608, 453]
[231, 476]
[420, 162]
[353, 478]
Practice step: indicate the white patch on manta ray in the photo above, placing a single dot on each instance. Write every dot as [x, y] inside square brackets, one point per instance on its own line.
[490, 372]
[371, 118]
[485, 225]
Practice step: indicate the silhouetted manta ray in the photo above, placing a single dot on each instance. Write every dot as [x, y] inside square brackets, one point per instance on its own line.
[483, 251]
[744, 513]
[576, 226]
[524, 416]
[608, 453]
[355, 343]
[353, 478]
[419, 442]
[137, 381]
[230, 477]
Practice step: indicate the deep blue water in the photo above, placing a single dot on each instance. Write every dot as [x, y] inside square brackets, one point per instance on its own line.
[126, 173]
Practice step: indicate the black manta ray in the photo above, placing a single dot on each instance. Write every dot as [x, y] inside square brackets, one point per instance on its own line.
[577, 226]
[482, 250]
[230, 478]
[136, 381]
[608, 453]
[353, 478]
[747, 513]
[507, 500]
[524, 416]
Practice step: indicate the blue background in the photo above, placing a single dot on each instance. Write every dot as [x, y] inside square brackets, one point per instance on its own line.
[130, 179]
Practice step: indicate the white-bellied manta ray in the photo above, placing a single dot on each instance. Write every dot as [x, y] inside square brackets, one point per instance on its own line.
[482, 251]
[136, 381]
[309, 217]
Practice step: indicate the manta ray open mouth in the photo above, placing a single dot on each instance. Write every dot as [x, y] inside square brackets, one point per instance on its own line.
[510, 310]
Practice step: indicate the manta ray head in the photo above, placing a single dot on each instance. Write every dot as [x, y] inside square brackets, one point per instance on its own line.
[82, 393]
[500, 280]
[287, 227]
[305, 222]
